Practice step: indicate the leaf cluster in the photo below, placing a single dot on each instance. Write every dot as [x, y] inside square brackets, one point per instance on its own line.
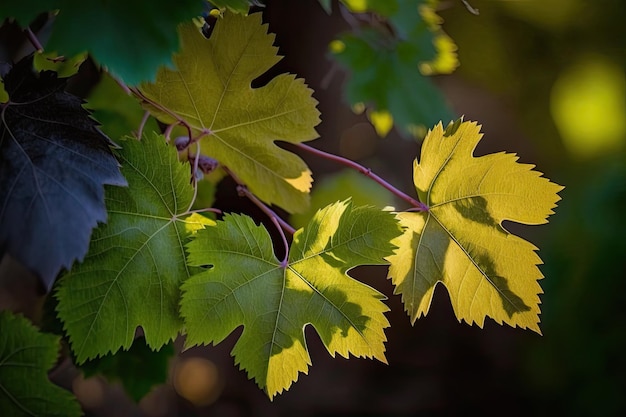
[137, 253]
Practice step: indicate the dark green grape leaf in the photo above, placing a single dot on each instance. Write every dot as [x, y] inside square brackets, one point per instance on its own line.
[26, 356]
[136, 262]
[54, 163]
[25, 11]
[326, 5]
[138, 369]
[131, 38]
[238, 6]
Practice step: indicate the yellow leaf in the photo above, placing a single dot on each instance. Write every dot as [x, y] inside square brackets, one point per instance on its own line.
[460, 240]
[210, 90]
[382, 121]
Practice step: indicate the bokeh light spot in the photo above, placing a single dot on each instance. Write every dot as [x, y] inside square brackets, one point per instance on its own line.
[588, 104]
[197, 380]
[89, 392]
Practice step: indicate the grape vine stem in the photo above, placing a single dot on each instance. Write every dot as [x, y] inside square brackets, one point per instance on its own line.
[416, 205]
[281, 225]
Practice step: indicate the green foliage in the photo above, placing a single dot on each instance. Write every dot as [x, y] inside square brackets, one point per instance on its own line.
[157, 263]
[118, 112]
[139, 368]
[26, 355]
[237, 6]
[326, 5]
[460, 240]
[210, 91]
[136, 262]
[131, 39]
[50, 61]
[274, 300]
[25, 11]
[384, 64]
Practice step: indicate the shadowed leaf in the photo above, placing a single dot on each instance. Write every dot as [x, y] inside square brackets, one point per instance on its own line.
[246, 285]
[26, 356]
[54, 163]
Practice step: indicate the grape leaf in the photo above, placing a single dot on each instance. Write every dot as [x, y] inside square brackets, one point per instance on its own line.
[211, 91]
[4, 96]
[460, 240]
[51, 61]
[237, 6]
[136, 262]
[384, 65]
[26, 355]
[25, 11]
[139, 368]
[326, 5]
[246, 285]
[54, 163]
[131, 38]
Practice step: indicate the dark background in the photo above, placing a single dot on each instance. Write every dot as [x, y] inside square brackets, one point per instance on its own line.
[522, 64]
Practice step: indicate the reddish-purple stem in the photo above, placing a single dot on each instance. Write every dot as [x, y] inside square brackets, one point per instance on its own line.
[32, 38]
[144, 120]
[123, 85]
[418, 205]
[203, 210]
[143, 98]
[280, 224]
[168, 131]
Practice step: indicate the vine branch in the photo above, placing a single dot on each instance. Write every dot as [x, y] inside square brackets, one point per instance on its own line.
[32, 38]
[279, 222]
[416, 204]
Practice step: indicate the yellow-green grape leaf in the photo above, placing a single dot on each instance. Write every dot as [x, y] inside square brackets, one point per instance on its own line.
[247, 285]
[26, 356]
[446, 59]
[132, 273]
[4, 96]
[460, 240]
[210, 90]
[51, 61]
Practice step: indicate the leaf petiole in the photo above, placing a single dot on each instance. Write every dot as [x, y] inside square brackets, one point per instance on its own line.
[416, 204]
[32, 38]
[280, 224]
